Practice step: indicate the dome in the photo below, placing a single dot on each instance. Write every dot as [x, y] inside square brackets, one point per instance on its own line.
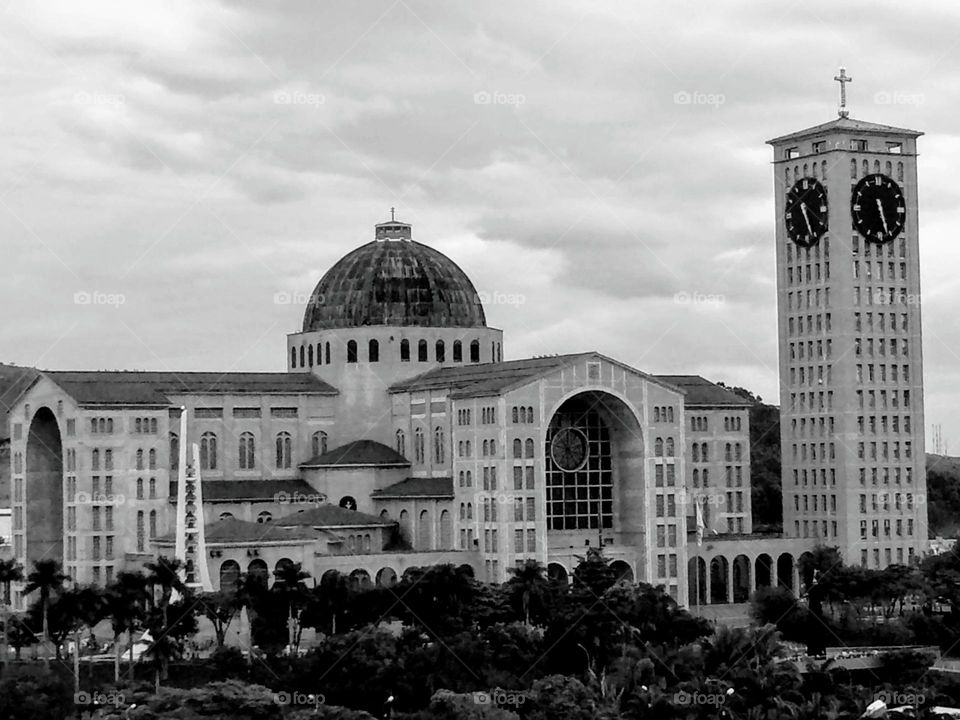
[394, 281]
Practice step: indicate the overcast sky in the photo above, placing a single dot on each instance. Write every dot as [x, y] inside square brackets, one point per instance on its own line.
[598, 169]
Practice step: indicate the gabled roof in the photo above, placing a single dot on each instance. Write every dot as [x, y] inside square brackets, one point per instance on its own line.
[846, 124]
[699, 391]
[358, 452]
[331, 516]
[226, 491]
[14, 379]
[488, 379]
[433, 487]
[123, 387]
[232, 530]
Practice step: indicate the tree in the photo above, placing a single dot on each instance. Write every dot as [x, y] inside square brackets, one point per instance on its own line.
[10, 572]
[125, 606]
[164, 574]
[289, 586]
[528, 591]
[220, 608]
[47, 577]
[18, 633]
[593, 574]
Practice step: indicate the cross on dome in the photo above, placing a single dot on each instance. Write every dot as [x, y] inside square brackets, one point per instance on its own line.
[843, 79]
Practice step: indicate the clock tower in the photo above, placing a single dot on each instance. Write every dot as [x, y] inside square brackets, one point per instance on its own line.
[851, 365]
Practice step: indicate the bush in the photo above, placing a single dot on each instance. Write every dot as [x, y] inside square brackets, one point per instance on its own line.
[35, 692]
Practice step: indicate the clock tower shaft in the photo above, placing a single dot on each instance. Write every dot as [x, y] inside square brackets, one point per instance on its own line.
[851, 364]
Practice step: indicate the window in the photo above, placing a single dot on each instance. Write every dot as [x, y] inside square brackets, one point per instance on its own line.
[528, 448]
[264, 517]
[140, 459]
[153, 523]
[475, 351]
[208, 451]
[141, 540]
[440, 352]
[153, 488]
[95, 460]
[404, 350]
[246, 449]
[373, 351]
[351, 351]
[310, 355]
[422, 351]
[418, 446]
[140, 488]
[284, 451]
[457, 351]
[318, 443]
[517, 447]
[151, 459]
[438, 445]
[401, 443]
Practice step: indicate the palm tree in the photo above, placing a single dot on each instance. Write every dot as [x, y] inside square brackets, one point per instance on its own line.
[47, 576]
[91, 608]
[125, 600]
[163, 648]
[289, 582]
[10, 572]
[528, 588]
[165, 574]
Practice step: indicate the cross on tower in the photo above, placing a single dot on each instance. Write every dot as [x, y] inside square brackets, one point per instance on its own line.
[843, 80]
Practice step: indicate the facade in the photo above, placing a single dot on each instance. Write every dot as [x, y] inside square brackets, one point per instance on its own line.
[851, 365]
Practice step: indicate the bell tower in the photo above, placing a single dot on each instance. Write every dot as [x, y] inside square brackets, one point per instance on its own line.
[851, 364]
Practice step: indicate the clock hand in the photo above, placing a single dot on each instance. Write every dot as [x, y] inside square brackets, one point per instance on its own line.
[803, 209]
[883, 218]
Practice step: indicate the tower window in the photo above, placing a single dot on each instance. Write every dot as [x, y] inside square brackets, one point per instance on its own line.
[422, 351]
[457, 351]
[351, 351]
[441, 351]
[293, 357]
[310, 355]
[302, 357]
[404, 350]
[475, 351]
[373, 351]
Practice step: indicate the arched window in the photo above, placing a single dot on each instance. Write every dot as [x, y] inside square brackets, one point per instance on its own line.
[264, 517]
[153, 523]
[326, 352]
[696, 453]
[418, 445]
[95, 460]
[302, 357]
[139, 488]
[438, 445]
[404, 350]
[469, 449]
[469, 477]
[226, 516]
[475, 351]
[658, 447]
[152, 459]
[351, 351]
[457, 351]
[738, 452]
[670, 448]
[284, 450]
[293, 357]
[469, 511]
[523, 414]
[727, 453]
[422, 351]
[517, 447]
[485, 448]
[140, 459]
[141, 532]
[373, 351]
[153, 488]
[174, 451]
[704, 455]
[310, 355]
[528, 447]
[208, 451]
[460, 479]
[319, 354]
[463, 511]
[318, 443]
[229, 574]
[246, 451]
[401, 443]
[441, 352]
[706, 477]
[696, 477]
[529, 413]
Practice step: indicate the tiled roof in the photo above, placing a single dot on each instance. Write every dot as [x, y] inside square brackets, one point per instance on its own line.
[251, 490]
[700, 391]
[486, 378]
[850, 124]
[328, 516]
[418, 487]
[232, 530]
[14, 379]
[358, 452]
[123, 387]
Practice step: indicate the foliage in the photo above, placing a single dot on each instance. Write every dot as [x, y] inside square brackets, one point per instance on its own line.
[32, 692]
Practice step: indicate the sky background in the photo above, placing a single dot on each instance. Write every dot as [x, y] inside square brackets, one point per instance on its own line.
[175, 178]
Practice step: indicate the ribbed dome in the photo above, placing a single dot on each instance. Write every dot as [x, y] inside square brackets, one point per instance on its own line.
[394, 282]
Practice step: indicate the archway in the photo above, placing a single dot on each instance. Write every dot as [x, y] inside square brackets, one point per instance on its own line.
[622, 570]
[764, 571]
[446, 531]
[424, 532]
[386, 577]
[741, 579]
[594, 442]
[229, 574]
[43, 489]
[718, 580]
[697, 581]
[360, 580]
[557, 573]
[282, 564]
[405, 526]
[785, 571]
[258, 572]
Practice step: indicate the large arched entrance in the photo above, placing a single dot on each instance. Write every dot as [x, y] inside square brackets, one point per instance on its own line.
[718, 580]
[764, 571]
[43, 488]
[697, 580]
[592, 443]
[785, 571]
[622, 570]
[741, 579]
[557, 573]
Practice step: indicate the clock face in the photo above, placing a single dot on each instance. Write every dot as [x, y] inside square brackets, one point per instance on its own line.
[569, 449]
[878, 208]
[806, 212]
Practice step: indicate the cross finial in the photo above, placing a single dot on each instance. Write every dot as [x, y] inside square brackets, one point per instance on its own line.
[843, 79]
[392, 218]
